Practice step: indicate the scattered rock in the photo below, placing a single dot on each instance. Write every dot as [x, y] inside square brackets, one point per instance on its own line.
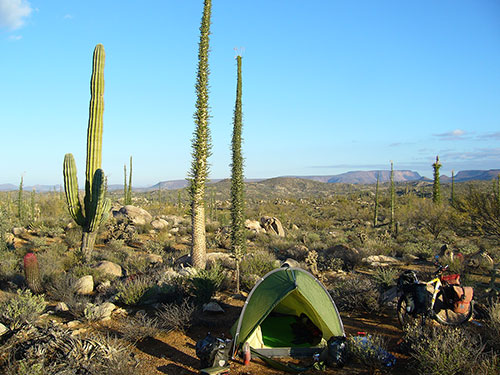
[73, 324]
[3, 329]
[154, 258]
[168, 275]
[104, 286]
[84, 285]
[187, 271]
[212, 307]
[9, 239]
[61, 307]
[295, 227]
[109, 268]
[104, 310]
[174, 230]
[120, 312]
[290, 263]
[174, 220]
[380, 261]
[225, 259]
[137, 215]
[253, 225]
[272, 225]
[17, 231]
[159, 224]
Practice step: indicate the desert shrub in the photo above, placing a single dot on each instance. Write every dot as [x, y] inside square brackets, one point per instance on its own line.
[421, 250]
[329, 263]
[370, 350]
[135, 264]
[9, 264]
[83, 270]
[54, 259]
[131, 291]
[206, 283]
[47, 228]
[253, 266]
[116, 244]
[139, 327]
[493, 324]
[356, 293]
[23, 308]
[385, 277]
[73, 237]
[445, 350]
[176, 317]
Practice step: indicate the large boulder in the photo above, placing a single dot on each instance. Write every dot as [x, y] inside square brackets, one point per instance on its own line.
[109, 268]
[84, 285]
[159, 224]
[137, 215]
[272, 225]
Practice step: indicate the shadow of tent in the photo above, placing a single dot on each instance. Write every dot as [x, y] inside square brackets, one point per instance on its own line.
[173, 369]
[159, 349]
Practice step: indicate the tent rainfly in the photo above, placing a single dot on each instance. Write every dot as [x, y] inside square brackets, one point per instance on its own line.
[287, 313]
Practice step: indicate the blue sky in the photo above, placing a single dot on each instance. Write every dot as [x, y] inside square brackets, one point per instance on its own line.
[328, 86]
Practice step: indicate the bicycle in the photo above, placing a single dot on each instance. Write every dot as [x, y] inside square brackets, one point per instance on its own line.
[415, 303]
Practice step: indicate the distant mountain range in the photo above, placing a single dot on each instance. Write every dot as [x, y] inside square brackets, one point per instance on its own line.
[354, 177]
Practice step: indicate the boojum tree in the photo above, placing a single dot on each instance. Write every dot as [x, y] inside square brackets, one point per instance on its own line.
[96, 206]
[200, 145]
[238, 238]
[393, 199]
[127, 189]
[436, 186]
[375, 213]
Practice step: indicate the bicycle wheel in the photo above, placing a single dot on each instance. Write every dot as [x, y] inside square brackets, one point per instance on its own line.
[446, 316]
[405, 310]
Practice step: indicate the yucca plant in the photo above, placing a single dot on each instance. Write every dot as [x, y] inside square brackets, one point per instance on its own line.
[201, 146]
[238, 238]
[96, 207]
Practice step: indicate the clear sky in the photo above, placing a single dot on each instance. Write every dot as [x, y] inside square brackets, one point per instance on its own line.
[329, 86]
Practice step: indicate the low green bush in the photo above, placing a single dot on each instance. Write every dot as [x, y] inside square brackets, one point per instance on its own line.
[23, 308]
[131, 291]
[206, 283]
[385, 277]
[356, 293]
[368, 350]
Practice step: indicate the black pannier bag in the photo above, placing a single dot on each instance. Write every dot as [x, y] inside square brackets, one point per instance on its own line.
[213, 352]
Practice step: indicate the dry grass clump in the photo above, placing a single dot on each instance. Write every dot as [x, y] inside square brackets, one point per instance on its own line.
[52, 350]
[176, 317]
[139, 327]
[449, 351]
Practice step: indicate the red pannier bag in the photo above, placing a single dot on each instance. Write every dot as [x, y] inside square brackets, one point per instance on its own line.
[451, 279]
[463, 298]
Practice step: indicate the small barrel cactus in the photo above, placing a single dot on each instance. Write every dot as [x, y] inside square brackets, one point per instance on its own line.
[32, 273]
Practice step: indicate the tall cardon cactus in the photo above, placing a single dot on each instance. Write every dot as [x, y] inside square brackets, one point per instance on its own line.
[96, 207]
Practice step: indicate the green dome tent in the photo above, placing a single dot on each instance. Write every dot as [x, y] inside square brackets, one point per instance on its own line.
[287, 313]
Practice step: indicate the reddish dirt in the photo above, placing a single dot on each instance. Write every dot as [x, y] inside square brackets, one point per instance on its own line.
[174, 353]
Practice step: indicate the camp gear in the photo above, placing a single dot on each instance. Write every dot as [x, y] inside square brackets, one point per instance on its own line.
[247, 356]
[463, 299]
[450, 279]
[383, 356]
[335, 352]
[217, 370]
[444, 306]
[283, 302]
[213, 352]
